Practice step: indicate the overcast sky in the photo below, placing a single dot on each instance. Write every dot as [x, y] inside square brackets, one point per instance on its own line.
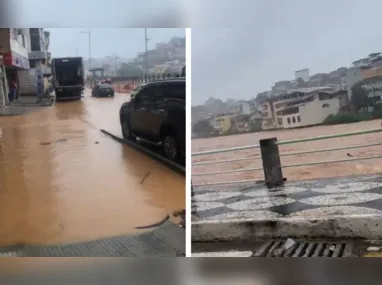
[276, 39]
[124, 42]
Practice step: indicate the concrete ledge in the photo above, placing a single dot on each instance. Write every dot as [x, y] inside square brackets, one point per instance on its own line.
[360, 226]
[232, 253]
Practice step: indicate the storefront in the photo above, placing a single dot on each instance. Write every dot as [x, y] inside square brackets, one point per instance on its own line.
[12, 59]
[13, 63]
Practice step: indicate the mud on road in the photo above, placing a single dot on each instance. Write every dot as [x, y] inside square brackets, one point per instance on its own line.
[62, 180]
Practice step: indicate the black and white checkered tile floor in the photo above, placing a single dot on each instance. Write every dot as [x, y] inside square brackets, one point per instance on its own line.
[349, 196]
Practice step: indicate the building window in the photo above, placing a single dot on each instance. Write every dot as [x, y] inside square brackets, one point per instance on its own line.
[325, 105]
[288, 120]
[279, 121]
[293, 120]
[298, 119]
[32, 64]
[24, 42]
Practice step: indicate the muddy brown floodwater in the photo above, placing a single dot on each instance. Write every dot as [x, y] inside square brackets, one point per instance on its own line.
[296, 173]
[62, 180]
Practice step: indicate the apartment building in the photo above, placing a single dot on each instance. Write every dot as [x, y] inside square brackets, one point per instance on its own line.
[14, 49]
[39, 61]
[300, 107]
[241, 108]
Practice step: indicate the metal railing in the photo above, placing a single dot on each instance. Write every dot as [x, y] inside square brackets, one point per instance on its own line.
[269, 153]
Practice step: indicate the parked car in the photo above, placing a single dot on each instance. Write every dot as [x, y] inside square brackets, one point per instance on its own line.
[157, 115]
[103, 90]
[135, 91]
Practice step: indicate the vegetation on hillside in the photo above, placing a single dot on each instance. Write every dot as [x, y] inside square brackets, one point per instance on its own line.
[361, 104]
[203, 128]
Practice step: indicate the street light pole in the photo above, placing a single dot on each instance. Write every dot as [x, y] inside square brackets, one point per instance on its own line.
[146, 41]
[89, 33]
[115, 64]
[90, 48]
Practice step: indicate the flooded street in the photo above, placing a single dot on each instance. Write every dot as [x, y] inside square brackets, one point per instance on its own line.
[294, 173]
[63, 181]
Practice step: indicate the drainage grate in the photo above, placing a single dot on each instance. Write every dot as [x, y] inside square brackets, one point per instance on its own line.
[304, 249]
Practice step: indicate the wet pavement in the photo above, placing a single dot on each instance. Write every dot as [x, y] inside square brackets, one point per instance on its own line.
[63, 181]
[343, 207]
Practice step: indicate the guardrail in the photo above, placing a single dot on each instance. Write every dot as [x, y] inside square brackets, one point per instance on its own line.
[270, 155]
[127, 83]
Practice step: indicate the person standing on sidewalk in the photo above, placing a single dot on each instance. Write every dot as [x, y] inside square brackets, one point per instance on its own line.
[40, 88]
[13, 90]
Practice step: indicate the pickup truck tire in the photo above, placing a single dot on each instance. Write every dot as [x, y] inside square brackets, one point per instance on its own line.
[170, 145]
[126, 130]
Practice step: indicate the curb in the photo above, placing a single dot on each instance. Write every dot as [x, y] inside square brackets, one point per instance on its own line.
[354, 227]
[169, 164]
[167, 240]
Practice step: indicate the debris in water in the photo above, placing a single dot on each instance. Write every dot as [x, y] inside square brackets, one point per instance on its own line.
[61, 140]
[373, 248]
[350, 155]
[45, 143]
[144, 178]
[96, 142]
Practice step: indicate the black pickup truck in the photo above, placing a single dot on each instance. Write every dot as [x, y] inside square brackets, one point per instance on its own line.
[157, 115]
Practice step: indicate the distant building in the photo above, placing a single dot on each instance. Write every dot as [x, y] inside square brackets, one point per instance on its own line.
[241, 108]
[374, 87]
[303, 74]
[296, 106]
[222, 123]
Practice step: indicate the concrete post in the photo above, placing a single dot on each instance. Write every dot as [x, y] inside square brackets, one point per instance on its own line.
[271, 162]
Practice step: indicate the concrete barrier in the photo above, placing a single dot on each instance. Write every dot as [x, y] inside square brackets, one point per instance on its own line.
[124, 86]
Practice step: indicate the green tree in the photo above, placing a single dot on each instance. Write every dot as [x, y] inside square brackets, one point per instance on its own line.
[203, 128]
[360, 98]
[301, 83]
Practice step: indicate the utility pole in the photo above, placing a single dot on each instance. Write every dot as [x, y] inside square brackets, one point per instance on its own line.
[115, 64]
[90, 46]
[146, 41]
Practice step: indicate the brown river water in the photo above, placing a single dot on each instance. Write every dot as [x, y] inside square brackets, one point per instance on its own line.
[62, 180]
[360, 167]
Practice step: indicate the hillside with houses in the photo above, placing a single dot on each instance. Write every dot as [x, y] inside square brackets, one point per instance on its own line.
[306, 100]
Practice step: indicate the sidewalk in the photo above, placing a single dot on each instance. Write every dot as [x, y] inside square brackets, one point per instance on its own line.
[24, 105]
[169, 240]
[335, 208]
